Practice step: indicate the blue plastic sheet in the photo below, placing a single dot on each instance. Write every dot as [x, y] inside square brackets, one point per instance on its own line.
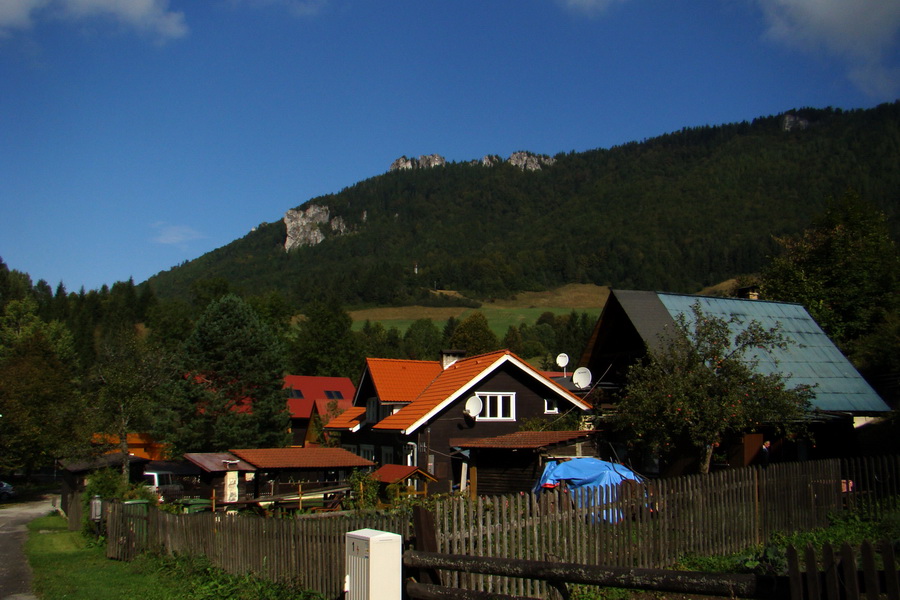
[587, 472]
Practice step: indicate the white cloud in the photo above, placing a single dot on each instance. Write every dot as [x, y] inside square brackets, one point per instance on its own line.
[589, 7]
[861, 34]
[148, 16]
[175, 234]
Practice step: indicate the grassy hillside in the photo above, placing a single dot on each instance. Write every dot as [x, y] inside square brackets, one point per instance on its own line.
[525, 307]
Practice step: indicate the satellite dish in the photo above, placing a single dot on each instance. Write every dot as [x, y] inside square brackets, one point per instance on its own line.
[581, 377]
[562, 360]
[473, 406]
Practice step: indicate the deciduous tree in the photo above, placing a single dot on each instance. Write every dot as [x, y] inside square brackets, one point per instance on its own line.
[844, 269]
[474, 335]
[704, 383]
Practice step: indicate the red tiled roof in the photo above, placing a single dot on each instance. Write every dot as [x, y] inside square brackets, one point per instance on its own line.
[396, 473]
[301, 458]
[522, 439]
[314, 391]
[401, 380]
[452, 381]
[301, 408]
[348, 419]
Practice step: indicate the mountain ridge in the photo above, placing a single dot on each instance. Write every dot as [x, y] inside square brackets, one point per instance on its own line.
[677, 212]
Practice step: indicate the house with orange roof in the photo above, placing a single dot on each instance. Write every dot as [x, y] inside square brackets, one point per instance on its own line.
[411, 412]
[311, 397]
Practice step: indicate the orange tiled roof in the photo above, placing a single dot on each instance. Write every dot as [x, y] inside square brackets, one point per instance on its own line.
[522, 439]
[301, 458]
[451, 382]
[398, 380]
[348, 419]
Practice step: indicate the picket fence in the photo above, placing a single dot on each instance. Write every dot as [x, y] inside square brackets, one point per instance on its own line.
[851, 573]
[640, 526]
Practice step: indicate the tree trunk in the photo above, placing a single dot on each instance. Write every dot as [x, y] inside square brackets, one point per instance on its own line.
[706, 458]
[123, 448]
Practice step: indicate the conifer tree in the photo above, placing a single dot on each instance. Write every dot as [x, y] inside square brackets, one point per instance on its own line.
[231, 394]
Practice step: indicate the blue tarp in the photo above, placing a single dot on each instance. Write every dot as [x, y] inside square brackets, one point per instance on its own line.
[584, 472]
[587, 473]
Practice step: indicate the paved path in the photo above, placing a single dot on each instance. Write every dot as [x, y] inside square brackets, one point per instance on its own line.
[15, 573]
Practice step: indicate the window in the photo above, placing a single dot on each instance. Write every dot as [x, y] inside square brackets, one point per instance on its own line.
[551, 406]
[387, 455]
[349, 447]
[367, 451]
[498, 407]
[334, 395]
[295, 393]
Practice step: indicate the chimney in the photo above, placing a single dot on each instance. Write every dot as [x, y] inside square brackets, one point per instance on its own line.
[751, 292]
[448, 357]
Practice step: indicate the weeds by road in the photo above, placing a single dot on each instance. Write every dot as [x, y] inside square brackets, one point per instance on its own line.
[67, 565]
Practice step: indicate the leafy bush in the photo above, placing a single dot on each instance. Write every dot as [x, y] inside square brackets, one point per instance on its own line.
[203, 581]
[363, 491]
[110, 485]
[771, 558]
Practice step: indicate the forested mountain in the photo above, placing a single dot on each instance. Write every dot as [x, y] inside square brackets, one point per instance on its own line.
[675, 213]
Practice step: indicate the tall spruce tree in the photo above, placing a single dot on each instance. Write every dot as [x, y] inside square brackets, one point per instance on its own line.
[323, 343]
[232, 393]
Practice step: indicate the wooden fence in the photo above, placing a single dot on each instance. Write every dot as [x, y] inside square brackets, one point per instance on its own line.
[641, 527]
[850, 573]
[306, 551]
[648, 526]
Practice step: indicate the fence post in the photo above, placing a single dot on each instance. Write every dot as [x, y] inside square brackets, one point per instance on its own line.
[425, 534]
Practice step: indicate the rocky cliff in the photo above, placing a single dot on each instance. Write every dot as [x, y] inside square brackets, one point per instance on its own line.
[526, 161]
[309, 226]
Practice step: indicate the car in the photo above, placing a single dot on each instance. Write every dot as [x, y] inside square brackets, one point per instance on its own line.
[6, 491]
[165, 484]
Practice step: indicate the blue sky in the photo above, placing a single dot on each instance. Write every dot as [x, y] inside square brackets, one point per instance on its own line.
[137, 134]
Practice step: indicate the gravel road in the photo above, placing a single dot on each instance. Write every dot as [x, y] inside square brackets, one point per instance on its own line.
[15, 574]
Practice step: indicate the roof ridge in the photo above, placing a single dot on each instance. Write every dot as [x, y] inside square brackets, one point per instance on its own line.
[404, 360]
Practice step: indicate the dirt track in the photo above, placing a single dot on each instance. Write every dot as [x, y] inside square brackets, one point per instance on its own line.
[15, 573]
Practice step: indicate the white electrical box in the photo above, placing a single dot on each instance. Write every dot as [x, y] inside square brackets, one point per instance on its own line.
[374, 565]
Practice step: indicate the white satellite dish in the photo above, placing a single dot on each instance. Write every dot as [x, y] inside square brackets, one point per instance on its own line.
[581, 378]
[562, 360]
[473, 406]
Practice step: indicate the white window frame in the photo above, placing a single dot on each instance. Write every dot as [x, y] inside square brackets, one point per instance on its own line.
[493, 405]
[551, 406]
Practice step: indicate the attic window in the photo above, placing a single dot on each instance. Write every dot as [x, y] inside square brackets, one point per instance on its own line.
[295, 393]
[334, 395]
[498, 407]
[551, 406]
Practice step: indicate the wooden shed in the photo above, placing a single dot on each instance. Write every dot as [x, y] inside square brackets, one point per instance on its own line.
[224, 476]
[512, 463]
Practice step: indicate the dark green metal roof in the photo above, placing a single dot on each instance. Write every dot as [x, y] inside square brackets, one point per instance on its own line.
[812, 359]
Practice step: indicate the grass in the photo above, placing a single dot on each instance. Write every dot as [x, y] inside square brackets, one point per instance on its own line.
[68, 566]
[525, 307]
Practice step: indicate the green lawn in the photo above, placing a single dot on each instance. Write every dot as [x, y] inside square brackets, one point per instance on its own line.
[68, 566]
